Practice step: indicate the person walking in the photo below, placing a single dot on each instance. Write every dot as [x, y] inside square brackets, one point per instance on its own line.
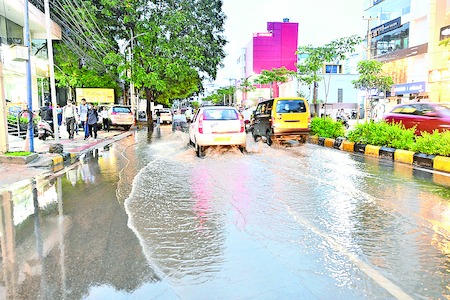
[92, 119]
[82, 110]
[105, 119]
[70, 118]
[59, 114]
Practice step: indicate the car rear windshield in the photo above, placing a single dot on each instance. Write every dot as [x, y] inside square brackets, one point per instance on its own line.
[291, 106]
[220, 114]
[121, 109]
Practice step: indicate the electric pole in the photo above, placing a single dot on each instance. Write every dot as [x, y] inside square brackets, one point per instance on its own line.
[369, 54]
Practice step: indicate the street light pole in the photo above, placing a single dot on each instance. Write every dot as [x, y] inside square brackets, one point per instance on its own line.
[369, 54]
[130, 52]
[26, 34]
[52, 70]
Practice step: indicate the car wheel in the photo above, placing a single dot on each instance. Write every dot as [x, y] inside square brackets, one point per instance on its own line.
[127, 127]
[200, 151]
[242, 149]
[269, 138]
[255, 137]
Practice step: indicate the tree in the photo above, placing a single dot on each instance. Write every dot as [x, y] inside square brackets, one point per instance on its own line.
[276, 75]
[220, 95]
[311, 66]
[71, 74]
[178, 44]
[371, 78]
[245, 86]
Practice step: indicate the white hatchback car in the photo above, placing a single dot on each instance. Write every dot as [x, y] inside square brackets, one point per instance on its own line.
[217, 125]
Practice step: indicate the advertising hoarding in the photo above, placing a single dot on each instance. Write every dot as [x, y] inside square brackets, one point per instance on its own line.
[95, 95]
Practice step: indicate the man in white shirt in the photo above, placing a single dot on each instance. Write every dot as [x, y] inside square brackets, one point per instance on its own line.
[70, 117]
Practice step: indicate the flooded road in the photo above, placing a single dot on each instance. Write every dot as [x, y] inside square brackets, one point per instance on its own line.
[146, 219]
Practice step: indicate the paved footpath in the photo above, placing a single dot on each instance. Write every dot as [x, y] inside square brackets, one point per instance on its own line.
[45, 163]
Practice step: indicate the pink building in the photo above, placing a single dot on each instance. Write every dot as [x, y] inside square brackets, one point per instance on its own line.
[272, 49]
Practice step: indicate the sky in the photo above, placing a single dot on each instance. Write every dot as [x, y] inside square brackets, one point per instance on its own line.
[320, 22]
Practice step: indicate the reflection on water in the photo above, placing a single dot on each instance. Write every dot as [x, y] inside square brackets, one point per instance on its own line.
[63, 236]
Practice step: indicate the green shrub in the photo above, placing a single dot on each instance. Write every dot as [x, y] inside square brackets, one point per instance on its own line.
[327, 128]
[433, 143]
[18, 153]
[383, 134]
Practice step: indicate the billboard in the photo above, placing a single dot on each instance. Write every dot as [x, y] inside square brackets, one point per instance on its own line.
[95, 95]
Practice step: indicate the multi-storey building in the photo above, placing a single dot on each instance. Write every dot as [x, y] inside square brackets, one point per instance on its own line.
[267, 50]
[406, 36]
[277, 48]
[11, 34]
[13, 57]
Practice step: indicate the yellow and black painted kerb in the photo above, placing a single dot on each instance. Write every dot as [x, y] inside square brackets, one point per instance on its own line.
[434, 162]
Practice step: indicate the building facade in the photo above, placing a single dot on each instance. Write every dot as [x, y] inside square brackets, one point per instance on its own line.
[14, 56]
[11, 33]
[267, 50]
[406, 38]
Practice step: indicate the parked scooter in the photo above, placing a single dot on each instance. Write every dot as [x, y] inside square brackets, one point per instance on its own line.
[45, 129]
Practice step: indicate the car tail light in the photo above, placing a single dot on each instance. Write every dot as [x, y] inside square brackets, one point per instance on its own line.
[309, 121]
[241, 118]
[114, 113]
[200, 123]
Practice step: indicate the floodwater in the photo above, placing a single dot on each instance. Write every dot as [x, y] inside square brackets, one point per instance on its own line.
[146, 219]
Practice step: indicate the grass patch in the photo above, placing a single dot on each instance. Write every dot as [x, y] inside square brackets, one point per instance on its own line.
[18, 153]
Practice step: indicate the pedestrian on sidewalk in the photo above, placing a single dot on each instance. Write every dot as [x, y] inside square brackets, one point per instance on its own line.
[70, 117]
[59, 114]
[105, 119]
[82, 110]
[92, 119]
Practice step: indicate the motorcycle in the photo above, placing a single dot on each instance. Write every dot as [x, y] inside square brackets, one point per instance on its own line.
[344, 121]
[45, 129]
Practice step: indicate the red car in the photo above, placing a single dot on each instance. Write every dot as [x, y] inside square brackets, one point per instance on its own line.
[426, 116]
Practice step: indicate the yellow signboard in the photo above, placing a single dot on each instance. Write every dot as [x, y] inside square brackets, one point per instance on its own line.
[95, 95]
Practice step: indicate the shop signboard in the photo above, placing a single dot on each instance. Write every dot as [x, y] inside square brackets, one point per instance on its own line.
[95, 95]
[408, 88]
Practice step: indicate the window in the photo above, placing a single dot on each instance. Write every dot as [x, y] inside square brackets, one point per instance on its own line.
[332, 69]
[220, 114]
[340, 95]
[121, 109]
[291, 106]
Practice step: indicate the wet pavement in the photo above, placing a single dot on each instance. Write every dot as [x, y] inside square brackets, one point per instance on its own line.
[144, 218]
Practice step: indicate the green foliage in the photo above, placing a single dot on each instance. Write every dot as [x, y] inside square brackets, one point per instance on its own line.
[315, 57]
[195, 104]
[18, 153]
[435, 143]
[279, 75]
[223, 94]
[383, 134]
[371, 76]
[246, 85]
[327, 127]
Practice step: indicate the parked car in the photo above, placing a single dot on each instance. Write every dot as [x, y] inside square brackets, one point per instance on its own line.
[281, 119]
[121, 115]
[165, 116]
[425, 116]
[217, 125]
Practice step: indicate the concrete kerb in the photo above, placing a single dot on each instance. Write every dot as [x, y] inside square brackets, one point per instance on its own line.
[72, 156]
[432, 162]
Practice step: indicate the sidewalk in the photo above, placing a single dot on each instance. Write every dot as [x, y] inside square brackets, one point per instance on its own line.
[46, 162]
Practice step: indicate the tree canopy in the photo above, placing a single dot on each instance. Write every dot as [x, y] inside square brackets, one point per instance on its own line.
[371, 76]
[276, 75]
[174, 45]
